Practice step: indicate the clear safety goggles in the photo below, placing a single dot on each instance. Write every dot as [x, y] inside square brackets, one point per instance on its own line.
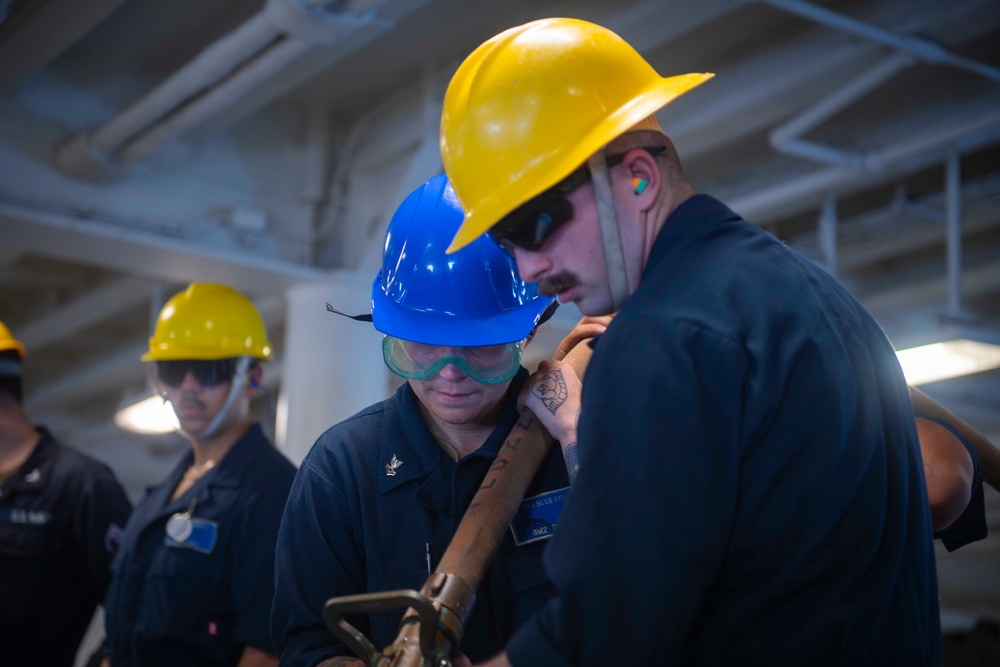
[487, 364]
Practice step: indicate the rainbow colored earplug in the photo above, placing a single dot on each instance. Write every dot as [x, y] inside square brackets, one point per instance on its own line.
[639, 185]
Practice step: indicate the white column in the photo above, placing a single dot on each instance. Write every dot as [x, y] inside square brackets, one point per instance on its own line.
[332, 366]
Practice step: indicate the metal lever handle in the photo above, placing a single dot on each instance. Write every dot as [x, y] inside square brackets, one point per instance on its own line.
[431, 627]
[385, 601]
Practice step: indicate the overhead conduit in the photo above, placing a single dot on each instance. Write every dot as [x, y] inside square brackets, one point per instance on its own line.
[847, 166]
[787, 138]
[219, 77]
[923, 49]
[846, 169]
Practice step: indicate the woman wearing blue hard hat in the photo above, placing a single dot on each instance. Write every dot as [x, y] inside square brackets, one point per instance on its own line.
[376, 502]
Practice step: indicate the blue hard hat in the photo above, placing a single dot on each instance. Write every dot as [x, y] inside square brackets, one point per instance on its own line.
[472, 297]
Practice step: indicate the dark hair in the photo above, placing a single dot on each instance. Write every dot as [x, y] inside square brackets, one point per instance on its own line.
[11, 384]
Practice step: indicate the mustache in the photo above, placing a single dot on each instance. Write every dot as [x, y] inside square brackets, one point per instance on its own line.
[557, 283]
[190, 401]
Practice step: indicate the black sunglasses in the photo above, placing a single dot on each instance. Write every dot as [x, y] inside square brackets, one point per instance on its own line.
[208, 373]
[530, 225]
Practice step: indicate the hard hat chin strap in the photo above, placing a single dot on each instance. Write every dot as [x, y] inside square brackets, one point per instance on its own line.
[614, 255]
[235, 389]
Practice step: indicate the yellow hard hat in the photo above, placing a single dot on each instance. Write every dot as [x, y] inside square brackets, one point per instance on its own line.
[208, 321]
[530, 105]
[8, 342]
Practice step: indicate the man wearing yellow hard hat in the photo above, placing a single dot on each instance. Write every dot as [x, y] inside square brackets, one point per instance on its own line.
[61, 517]
[193, 583]
[751, 488]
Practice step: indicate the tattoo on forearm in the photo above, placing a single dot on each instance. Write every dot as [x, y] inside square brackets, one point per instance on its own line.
[572, 461]
[551, 390]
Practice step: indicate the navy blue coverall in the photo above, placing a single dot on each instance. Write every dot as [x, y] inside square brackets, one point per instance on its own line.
[356, 522]
[181, 605]
[751, 489]
[61, 518]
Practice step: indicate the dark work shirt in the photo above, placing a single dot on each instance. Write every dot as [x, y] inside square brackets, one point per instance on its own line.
[61, 517]
[751, 488]
[352, 527]
[203, 601]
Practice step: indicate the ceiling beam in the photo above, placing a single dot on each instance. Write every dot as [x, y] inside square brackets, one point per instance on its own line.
[651, 24]
[977, 281]
[8, 255]
[873, 237]
[741, 102]
[94, 306]
[111, 372]
[138, 252]
[968, 128]
[42, 30]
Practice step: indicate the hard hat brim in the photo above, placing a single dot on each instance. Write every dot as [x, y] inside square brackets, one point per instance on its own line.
[486, 213]
[175, 352]
[452, 329]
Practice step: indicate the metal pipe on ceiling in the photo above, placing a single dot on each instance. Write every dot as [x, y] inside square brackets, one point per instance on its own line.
[787, 138]
[93, 151]
[923, 49]
[208, 103]
[967, 134]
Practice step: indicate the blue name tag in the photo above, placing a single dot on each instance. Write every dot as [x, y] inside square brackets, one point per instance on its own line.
[201, 537]
[537, 516]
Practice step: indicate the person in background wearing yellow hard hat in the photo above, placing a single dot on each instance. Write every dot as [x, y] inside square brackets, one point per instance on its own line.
[193, 581]
[61, 518]
[751, 488]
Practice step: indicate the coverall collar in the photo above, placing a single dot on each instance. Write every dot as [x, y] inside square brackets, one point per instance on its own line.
[408, 439]
[33, 475]
[228, 474]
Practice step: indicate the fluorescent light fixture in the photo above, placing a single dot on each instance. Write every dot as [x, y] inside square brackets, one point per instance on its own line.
[947, 359]
[151, 415]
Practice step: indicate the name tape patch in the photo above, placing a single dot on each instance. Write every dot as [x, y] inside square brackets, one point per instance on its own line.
[200, 536]
[25, 517]
[537, 516]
